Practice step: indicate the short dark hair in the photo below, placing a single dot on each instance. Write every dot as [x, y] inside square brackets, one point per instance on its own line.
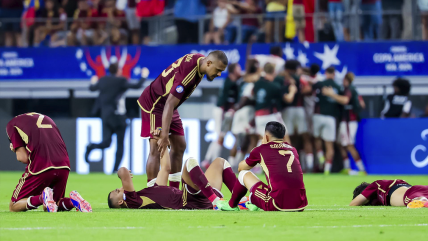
[315, 68]
[359, 189]
[231, 68]
[403, 86]
[292, 64]
[109, 201]
[269, 68]
[113, 68]
[276, 129]
[330, 70]
[276, 50]
[220, 55]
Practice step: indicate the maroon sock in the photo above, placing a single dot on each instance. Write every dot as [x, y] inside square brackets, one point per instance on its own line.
[199, 179]
[238, 192]
[65, 204]
[229, 178]
[35, 202]
[174, 184]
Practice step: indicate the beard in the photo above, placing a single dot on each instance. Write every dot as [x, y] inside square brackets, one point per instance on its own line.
[210, 79]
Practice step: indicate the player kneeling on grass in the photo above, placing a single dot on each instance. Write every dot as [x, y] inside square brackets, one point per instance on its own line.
[37, 142]
[199, 190]
[285, 190]
[390, 193]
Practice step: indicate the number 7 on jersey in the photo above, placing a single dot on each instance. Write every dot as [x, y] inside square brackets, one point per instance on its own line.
[290, 160]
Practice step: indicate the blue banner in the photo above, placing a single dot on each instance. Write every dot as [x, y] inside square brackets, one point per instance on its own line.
[394, 146]
[79, 63]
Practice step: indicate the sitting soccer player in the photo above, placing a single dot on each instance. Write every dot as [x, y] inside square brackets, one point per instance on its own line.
[285, 190]
[390, 193]
[199, 190]
[37, 142]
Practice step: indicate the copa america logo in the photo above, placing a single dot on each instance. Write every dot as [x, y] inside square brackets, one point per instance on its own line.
[179, 89]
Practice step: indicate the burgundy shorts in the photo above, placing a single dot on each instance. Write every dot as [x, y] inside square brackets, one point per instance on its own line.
[33, 185]
[193, 199]
[153, 120]
[414, 192]
[259, 196]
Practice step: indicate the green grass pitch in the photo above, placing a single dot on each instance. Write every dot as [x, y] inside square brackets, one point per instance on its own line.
[326, 218]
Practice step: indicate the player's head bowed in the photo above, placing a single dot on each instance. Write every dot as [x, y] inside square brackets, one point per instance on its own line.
[215, 63]
[360, 188]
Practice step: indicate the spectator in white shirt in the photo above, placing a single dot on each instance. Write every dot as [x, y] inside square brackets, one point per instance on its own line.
[219, 21]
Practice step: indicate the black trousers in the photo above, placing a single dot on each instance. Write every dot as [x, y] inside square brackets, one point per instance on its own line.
[113, 124]
[187, 31]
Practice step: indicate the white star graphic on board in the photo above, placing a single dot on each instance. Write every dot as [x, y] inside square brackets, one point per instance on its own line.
[341, 75]
[288, 51]
[329, 57]
[301, 57]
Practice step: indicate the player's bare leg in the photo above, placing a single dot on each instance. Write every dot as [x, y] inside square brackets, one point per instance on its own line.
[307, 147]
[19, 206]
[153, 163]
[329, 154]
[178, 146]
[320, 152]
[356, 156]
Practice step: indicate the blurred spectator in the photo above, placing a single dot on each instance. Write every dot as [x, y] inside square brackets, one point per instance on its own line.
[335, 11]
[371, 18]
[398, 104]
[349, 11]
[69, 7]
[425, 114]
[250, 25]
[391, 23]
[219, 21]
[423, 6]
[299, 19]
[82, 29]
[54, 20]
[133, 22]
[148, 9]
[187, 13]
[116, 23]
[275, 9]
[12, 11]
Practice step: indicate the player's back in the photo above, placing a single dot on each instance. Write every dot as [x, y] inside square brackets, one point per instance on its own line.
[280, 162]
[41, 137]
[178, 79]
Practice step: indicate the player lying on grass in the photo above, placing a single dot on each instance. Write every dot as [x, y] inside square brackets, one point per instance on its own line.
[38, 143]
[390, 193]
[285, 190]
[199, 190]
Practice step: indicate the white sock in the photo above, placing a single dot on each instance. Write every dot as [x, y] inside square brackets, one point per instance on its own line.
[151, 183]
[360, 165]
[346, 164]
[327, 167]
[215, 200]
[309, 161]
[175, 177]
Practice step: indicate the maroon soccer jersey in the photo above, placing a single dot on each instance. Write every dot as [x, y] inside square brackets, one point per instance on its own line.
[42, 139]
[377, 191]
[180, 79]
[284, 175]
[157, 197]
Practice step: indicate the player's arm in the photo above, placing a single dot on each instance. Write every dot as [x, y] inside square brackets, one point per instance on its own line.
[251, 161]
[359, 201]
[94, 83]
[244, 166]
[406, 109]
[17, 145]
[341, 99]
[165, 163]
[126, 177]
[168, 110]
[289, 97]
[361, 102]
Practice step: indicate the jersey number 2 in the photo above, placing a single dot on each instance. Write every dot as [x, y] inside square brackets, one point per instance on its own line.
[290, 160]
[40, 120]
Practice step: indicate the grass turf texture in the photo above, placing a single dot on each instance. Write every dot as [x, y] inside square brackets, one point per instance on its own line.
[326, 218]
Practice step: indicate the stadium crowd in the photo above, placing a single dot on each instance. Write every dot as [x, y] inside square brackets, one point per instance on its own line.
[120, 22]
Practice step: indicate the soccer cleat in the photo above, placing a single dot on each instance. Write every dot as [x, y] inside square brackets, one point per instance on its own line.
[326, 172]
[48, 201]
[81, 204]
[223, 205]
[345, 171]
[251, 207]
[417, 204]
[242, 204]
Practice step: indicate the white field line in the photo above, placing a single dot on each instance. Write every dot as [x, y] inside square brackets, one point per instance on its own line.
[210, 227]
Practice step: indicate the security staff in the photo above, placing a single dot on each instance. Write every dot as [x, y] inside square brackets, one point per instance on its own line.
[398, 104]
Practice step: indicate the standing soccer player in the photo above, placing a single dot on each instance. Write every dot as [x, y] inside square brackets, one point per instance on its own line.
[349, 124]
[159, 103]
[38, 143]
[327, 110]
[285, 190]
